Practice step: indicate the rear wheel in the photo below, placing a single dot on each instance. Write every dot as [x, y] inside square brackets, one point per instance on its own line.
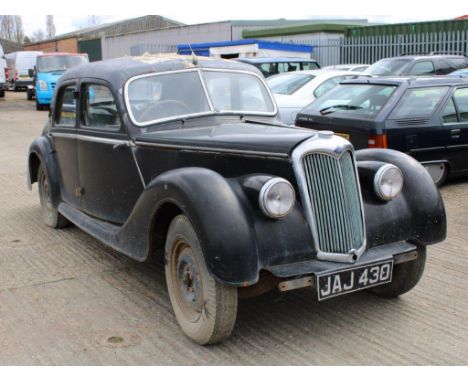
[205, 309]
[2, 93]
[29, 95]
[405, 277]
[50, 215]
[39, 106]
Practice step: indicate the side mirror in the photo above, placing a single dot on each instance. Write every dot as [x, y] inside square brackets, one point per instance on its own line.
[31, 72]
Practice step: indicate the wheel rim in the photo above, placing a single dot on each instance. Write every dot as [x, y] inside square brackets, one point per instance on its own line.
[187, 281]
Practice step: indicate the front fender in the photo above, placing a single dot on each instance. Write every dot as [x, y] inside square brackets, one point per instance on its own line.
[217, 215]
[417, 214]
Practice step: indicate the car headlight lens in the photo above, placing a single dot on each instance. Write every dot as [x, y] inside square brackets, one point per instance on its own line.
[276, 198]
[42, 85]
[388, 182]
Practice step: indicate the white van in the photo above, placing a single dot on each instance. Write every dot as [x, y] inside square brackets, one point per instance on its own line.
[19, 64]
[2, 72]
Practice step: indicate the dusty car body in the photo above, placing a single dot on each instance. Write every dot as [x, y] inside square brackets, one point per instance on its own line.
[182, 158]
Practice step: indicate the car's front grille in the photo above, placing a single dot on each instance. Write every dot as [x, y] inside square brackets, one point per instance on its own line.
[334, 196]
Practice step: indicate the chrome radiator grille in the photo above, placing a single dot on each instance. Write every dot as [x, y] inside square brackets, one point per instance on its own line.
[334, 196]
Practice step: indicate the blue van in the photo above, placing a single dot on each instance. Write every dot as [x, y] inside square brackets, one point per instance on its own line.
[49, 67]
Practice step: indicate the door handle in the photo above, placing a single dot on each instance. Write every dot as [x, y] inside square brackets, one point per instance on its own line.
[455, 133]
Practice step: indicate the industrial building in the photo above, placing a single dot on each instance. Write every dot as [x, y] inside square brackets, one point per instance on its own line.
[93, 40]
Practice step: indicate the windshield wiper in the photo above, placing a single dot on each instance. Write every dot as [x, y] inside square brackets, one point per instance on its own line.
[332, 109]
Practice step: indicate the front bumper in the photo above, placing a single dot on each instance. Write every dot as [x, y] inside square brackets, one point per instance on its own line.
[399, 251]
[43, 97]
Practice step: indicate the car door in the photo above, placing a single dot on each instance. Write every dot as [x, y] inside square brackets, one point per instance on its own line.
[455, 121]
[63, 136]
[109, 177]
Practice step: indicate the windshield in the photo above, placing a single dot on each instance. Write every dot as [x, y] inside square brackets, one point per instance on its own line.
[167, 96]
[59, 63]
[353, 99]
[288, 83]
[391, 67]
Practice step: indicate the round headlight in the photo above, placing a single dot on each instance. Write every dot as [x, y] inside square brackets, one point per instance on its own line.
[276, 198]
[388, 182]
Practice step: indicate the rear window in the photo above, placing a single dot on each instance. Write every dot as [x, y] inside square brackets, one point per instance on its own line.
[419, 102]
[388, 67]
[288, 83]
[362, 100]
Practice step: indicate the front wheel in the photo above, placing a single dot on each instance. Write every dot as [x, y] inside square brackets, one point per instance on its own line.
[29, 95]
[50, 215]
[405, 277]
[205, 309]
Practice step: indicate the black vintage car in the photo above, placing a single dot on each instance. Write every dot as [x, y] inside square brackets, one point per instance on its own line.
[425, 117]
[183, 159]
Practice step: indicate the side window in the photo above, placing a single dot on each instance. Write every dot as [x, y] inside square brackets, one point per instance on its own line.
[309, 66]
[423, 67]
[269, 69]
[65, 111]
[419, 102]
[458, 62]
[327, 86]
[461, 98]
[99, 108]
[449, 114]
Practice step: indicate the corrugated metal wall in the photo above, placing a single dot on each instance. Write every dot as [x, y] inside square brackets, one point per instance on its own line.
[165, 40]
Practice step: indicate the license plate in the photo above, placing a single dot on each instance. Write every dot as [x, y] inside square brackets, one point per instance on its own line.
[343, 135]
[332, 284]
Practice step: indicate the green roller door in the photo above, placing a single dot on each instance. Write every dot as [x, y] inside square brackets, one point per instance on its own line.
[92, 47]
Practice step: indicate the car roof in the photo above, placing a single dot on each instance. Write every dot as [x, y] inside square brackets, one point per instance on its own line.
[118, 70]
[412, 82]
[318, 73]
[265, 60]
[423, 57]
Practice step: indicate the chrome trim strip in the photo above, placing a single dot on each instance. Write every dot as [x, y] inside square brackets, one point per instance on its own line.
[334, 146]
[89, 138]
[211, 149]
[132, 149]
[212, 110]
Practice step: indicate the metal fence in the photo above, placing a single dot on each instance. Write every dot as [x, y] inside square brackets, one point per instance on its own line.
[368, 49]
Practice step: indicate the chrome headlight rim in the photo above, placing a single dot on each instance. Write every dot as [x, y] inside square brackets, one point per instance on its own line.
[379, 175]
[263, 198]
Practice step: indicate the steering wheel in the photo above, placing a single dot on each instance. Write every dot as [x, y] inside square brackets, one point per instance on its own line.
[164, 109]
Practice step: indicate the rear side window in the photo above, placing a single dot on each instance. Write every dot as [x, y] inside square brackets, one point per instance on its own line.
[65, 112]
[461, 98]
[443, 67]
[419, 102]
[309, 65]
[450, 113]
[423, 67]
[268, 69]
[99, 108]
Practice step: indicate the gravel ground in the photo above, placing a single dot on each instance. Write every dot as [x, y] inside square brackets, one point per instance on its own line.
[63, 295]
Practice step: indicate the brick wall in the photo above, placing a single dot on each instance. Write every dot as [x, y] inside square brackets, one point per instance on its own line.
[68, 45]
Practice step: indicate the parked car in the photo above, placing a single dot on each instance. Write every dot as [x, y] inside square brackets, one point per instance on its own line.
[423, 65]
[3, 72]
[426, 118]
[270, 66]
[48, 69]
[347, 67]
[293, 91]
[19, 64]
[182, 158]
